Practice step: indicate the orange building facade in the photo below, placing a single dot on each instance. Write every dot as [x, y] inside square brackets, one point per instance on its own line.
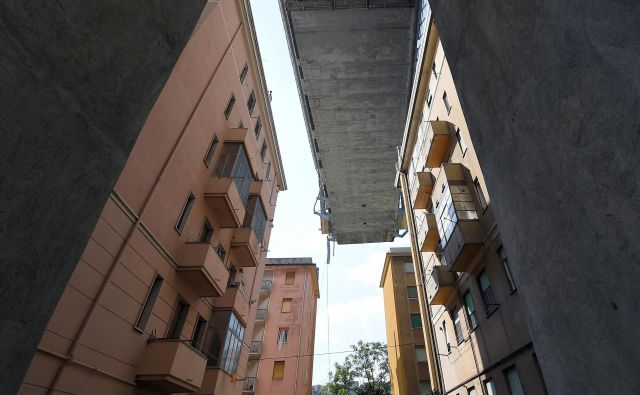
[281, 359]
[160, 301]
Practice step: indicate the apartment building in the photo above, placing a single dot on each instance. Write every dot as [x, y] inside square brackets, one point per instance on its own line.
[478, 334]
[160, 301]
[283, 338]
[405, 339]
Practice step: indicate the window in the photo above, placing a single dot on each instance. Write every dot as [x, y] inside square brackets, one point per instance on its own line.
[446, 217]
[286, 305]
[461, 143]
[446, 103]
[408, 267]
[198, 333]
[412, 292]
[481, 198]
[278, 369]
[446, 336]
[211, 151]
[178, 319]
[489, 300]
[243, 73]
[255, 217]
[283, 335]
[263, 150]
[229, 108]
[290, 277]
[470, 309]
[433, 67]
[257, 128]
[221, 252]
[457, 326]
[429, 97]
[184, 215]
[424, 387]
[507, 268]
[490, 387]
[513, 379]
[234, 163]
[421, 354]
[206, 233]
[224, 341]
[251, 103]
[471, 391]
[416, 321]
[154, 291]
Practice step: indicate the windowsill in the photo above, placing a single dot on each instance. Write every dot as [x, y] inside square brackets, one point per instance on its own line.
[491, 312]
[513, 291]
[135, 328]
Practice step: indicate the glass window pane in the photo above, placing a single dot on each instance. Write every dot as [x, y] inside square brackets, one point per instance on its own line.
[416, 321]
[408, 267]
[412, 292]
[491, 387]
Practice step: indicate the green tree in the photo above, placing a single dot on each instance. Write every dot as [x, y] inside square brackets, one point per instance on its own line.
[368, 365]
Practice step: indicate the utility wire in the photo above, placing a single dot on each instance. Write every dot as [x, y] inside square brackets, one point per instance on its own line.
[327, 353]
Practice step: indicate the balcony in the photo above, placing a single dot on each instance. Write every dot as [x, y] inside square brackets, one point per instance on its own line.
[249, 385]
[424, 187]
[428, 233]
[245, 247]
[225, 201]
[441, 285]
[261, 315]
[255, 349]
[262, 189]
[463, 245]
[171, 365]
[233, 299]
[439, 138]
[202, 268]
[248, 139]
[266, 285]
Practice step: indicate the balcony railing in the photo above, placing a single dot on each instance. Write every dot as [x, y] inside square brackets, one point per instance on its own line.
[261, 315]
[224, 199]
[255, 347]
[441, 285]
[266, 285]
[249, 384]
[245, 247]
[427, 232]
[439, 140]
[422, 189]
[171, 365]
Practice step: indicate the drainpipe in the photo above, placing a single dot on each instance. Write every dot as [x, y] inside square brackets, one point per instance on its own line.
[435, 371]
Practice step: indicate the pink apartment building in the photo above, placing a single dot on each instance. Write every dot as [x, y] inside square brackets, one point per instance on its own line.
[160, 301]
[281, 355]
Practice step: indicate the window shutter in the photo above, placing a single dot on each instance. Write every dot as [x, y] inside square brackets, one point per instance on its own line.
[278, 369]
[514, 381]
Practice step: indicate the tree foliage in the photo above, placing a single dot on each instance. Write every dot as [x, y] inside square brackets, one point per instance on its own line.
[367, 365]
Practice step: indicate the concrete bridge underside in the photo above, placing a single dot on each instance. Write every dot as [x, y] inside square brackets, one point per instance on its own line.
[78, 80]
[354, 62]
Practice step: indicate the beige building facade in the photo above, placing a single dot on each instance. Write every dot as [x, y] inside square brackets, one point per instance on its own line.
[478, 338]
[160, 301]
[283, 339]
[405, 339]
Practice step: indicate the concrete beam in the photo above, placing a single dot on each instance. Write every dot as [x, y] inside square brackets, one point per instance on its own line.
[77, 80]
[550, 91]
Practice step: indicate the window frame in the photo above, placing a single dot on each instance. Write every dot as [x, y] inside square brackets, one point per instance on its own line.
[286, 302]
[470, 310]
[481, 198]
[230, 105]
[178, 319]
[409, 296]
[244, 73]
[206, 232]
[488, 298]
[149, 303]
[289, 280]
[251, 102]
[507, 268]
[461, 142]
[183, 218]
[409, 265]
[447, 104]
[257, 128]
[280, 364]
[213, 146]
[199, 332]
[411, 320]
[457, 324]
[285, 331]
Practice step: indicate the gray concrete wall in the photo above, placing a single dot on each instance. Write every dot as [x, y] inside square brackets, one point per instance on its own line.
[551, 93]
[77, 80]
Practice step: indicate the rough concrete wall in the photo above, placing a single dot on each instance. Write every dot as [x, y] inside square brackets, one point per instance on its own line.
[551, 93]
[77, 80]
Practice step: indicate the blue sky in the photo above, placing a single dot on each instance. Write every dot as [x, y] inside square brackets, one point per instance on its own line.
[354, 299]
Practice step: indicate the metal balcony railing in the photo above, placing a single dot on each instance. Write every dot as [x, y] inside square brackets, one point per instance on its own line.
[255, 347]
[261, 315]
[249, 384]
[266, 285]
